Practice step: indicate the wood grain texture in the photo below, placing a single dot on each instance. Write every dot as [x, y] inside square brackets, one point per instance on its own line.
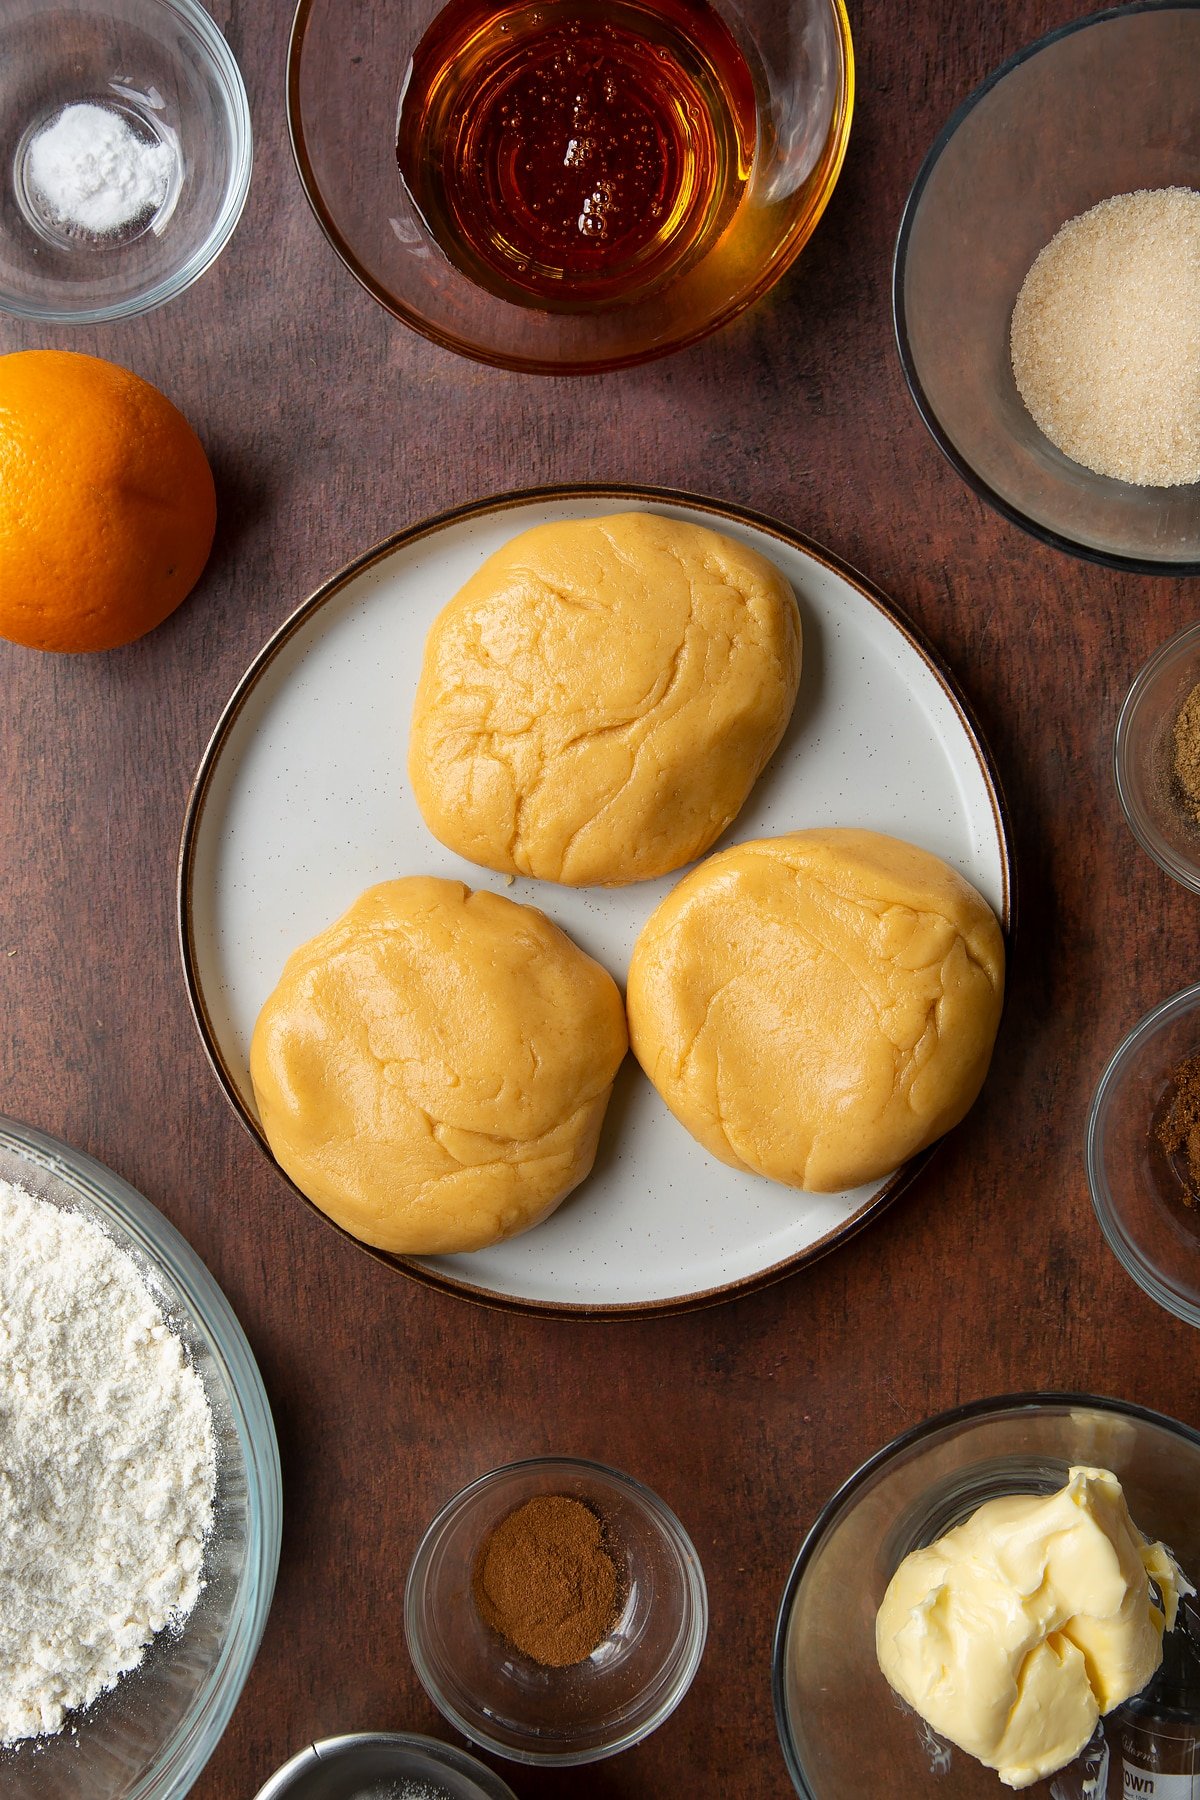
[329, 425]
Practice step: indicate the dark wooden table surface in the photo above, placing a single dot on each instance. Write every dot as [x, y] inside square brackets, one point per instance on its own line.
[329, 425]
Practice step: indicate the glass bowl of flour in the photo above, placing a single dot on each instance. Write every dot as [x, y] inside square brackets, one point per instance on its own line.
[140, 1501]
[125, 155]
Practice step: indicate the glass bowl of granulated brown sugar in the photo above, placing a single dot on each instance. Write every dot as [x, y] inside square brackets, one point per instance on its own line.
[1045, 300]
[1143, 1154]
[556, 1611]
[1156, 753]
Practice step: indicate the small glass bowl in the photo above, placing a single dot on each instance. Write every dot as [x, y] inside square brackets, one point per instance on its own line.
[347, 65]
[843, 1732]
[1136, 1193]
[632, 1681]
[1143, 754]
[164, 66]
[1013, 164]
[149, 1737]
[344, 1768]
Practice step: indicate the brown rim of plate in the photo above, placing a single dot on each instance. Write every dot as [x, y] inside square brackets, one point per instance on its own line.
[457, 515]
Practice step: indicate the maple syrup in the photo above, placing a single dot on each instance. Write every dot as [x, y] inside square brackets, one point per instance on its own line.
[570, 153]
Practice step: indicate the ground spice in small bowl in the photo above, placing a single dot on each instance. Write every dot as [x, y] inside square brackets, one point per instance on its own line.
[546, 1581]
[1179, 1127]
[1185, 755]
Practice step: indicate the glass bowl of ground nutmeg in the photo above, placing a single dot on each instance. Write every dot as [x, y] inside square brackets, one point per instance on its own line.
[1143, 1154]
[1156, 754]
[1045, 299]
[556, 1611]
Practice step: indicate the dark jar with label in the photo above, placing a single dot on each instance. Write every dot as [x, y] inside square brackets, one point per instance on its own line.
[1155, 1737]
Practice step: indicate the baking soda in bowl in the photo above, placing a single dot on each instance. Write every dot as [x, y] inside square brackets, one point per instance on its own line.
[107, 1466]
[97, 171]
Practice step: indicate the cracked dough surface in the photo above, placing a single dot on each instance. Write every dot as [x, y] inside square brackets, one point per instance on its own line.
[818, 1007]
[433, 1069]
[596, 703]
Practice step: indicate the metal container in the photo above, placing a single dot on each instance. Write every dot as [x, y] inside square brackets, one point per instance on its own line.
[368, 1765]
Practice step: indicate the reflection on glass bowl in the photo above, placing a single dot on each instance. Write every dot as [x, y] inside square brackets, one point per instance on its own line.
[844, 1733]
[149, 1737]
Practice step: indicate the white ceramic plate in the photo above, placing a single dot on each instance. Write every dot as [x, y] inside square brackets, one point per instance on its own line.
[301, 801]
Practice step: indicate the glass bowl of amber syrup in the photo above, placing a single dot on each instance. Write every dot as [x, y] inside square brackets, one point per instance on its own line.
[569, 185]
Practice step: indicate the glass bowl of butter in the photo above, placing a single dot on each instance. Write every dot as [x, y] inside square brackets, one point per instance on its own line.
[1014, 1564]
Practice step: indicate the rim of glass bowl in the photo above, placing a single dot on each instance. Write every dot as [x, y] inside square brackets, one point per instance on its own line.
[237, 119]
[1138, 821]
[697, 1590]
[997, 1406]
[184, 1756]
[1134, 565]
[1126, 1250]
[772, 272]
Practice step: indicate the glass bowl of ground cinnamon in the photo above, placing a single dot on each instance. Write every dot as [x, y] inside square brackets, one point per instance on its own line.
[1156, 753]
[1143, 1154]
[556, 1611]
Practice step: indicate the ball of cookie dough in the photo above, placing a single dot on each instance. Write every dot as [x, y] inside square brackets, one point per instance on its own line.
[818, 1007]
[596, 703]
[433, 1069]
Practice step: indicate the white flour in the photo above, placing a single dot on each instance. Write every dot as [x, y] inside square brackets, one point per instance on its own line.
[106, 1466]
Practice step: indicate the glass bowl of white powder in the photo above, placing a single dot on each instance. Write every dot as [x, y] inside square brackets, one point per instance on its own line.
[1079, 417]
[125, 155]
[140, 1501]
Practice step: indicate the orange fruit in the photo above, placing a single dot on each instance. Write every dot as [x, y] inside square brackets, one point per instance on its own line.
[107, 506]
